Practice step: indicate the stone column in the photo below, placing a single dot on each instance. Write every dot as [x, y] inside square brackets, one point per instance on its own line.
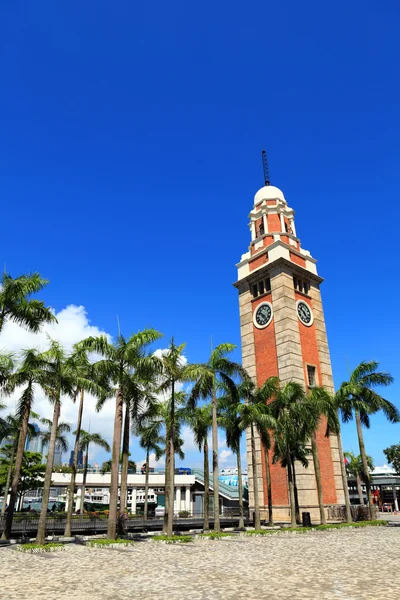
[396, 504]
[282, 222]
[265, 221]
[253, 230]
[133, 505]
[79, 500]
[187, 499]
[178, 499]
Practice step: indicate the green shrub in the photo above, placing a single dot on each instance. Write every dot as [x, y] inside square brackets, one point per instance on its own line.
[215, 535]
[184, 514]
[358, 524]
[173, 539]
[50, 547]
[104, 542]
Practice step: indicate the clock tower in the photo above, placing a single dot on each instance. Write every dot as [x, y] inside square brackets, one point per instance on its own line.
[283, 334]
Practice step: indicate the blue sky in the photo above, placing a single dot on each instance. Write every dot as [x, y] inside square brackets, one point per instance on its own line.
[130, 154]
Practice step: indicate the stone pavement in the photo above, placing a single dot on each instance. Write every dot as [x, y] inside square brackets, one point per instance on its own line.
[355, 564]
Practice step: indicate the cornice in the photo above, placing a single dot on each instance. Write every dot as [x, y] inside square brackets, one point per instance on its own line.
[296, 269]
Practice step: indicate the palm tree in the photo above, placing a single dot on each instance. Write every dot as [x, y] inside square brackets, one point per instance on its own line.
[64, 380]
[200, 421]
[16, 305]
[355, 468]
[255, 415]
[10, 428]
[150, 440]
[321, 409]
[218, 368]
[174, 371]
[230, 419]
[85, 439]
[61, 439]
[80, 362]
[118, 362]
[33, 372]
[6, 368]
[140, 400]
[358, 396]
[291, 433]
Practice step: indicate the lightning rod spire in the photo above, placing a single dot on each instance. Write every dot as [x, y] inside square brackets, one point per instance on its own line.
[265, 167]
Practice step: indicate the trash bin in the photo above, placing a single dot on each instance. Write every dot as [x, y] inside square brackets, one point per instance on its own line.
[306, 519]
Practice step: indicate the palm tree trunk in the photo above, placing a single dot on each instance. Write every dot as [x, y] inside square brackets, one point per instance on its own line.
[269, 489]
[240, 489]
[257, 523]
[146, 485]
[125, 460]
[8, 481]
[296, 494]
[317, 470]
[171, 507]
[291, 492]
[359, 489]
[17, 472]
[349, 518]
[71, 489]
[41, 532]
[366, 478]
[166, 484]
[116, 448]
[83, 488]
[206, 507]
[217, 526]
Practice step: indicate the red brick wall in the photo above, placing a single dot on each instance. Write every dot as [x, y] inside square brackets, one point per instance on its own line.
[257, 262]
[267, 366]
[274, 222]
[310, 356]
[297, 259]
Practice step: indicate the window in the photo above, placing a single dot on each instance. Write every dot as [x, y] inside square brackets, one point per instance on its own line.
[311, 376]
[301, 285]
[260, 288]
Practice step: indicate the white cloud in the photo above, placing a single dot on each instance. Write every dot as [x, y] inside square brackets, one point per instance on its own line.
[73, 325]
[224, 456]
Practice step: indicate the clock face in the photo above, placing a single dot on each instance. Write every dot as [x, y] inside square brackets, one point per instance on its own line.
[304, 313]
[263, 315]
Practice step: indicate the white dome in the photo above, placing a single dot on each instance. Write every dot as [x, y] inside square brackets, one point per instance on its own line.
[268, 192]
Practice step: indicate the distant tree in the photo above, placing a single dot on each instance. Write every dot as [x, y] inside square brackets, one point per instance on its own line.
[61, 439]
[31, 474]
[10, 427]
[354, 467]
[393, 456]
[151, 441]
[85, 439]
[106, 466]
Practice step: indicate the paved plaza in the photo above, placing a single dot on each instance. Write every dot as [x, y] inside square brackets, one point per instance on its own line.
[345, 564]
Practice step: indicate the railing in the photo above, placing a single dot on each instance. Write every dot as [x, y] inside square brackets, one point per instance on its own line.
[26, 526]
[359, 512]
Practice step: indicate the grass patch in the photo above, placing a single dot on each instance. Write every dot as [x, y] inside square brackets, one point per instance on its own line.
[172, 539]
[107, 543]
[215, 535]
[51, 547]
[377, 523]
